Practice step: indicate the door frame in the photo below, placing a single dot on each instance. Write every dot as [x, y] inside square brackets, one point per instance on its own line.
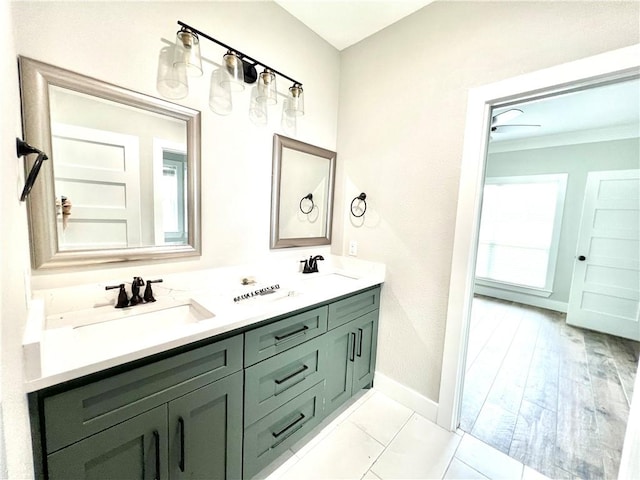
[604, 68]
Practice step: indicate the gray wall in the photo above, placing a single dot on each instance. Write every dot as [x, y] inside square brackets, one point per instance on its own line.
[577, 161]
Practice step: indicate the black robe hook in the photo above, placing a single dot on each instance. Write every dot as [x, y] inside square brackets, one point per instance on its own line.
[22, 149]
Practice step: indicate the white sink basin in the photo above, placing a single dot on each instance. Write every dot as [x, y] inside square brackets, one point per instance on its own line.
[326, 280]
[135, 323]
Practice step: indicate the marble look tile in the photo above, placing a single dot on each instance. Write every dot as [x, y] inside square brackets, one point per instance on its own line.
[462, 471]
[346, 453]
[421, 450]
[487, 460]
[381, 417]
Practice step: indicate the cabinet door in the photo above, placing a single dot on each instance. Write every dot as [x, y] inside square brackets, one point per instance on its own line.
[134, 449]
[340, 355]
[205, 431]
[366, 332]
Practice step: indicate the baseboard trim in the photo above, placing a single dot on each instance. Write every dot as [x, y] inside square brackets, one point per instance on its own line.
[521, 298]
[406, 396]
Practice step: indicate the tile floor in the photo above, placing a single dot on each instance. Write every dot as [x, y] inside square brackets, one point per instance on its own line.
[373, 437]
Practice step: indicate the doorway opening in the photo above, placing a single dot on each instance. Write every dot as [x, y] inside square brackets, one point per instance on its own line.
[578, 76]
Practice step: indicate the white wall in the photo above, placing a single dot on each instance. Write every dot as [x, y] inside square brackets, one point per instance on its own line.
[14, 244]
[119, 42]
[577, 161]
[403, 97]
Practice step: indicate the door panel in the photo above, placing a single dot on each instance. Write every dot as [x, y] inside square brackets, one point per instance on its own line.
[366, 329]
[605, 293]
[104, 212]
[339, 366]
[135, 449]
[205, 428]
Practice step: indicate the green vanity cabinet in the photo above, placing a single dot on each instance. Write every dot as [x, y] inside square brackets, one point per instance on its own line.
[198, 435]
[179, 416]
[351, 358]
[218, 409]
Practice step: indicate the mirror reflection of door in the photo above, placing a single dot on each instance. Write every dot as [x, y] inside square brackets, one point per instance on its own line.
[97, 183]
[108, 162]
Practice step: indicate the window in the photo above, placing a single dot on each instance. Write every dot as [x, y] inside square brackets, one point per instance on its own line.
[174, 177]
[520, 231]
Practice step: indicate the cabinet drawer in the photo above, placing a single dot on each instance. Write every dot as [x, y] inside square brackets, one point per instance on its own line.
[264, 342]
[83, 411]
[269, 437]
[275, 381]
[348, 309]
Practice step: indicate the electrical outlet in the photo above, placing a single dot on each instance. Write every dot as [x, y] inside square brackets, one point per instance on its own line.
[353, 248]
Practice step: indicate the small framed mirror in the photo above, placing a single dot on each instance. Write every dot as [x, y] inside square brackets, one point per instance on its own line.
[123, 177]
[301, 193]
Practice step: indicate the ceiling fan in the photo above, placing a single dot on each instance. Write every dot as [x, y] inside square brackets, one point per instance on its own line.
[498, 125]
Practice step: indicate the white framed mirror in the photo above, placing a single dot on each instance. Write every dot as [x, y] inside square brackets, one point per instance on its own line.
[122, 181]
[301, 193]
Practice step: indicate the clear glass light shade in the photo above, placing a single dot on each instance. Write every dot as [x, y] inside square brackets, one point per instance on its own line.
[295, 104]
[267, 92]
[257, 109]
[288, 122]
[187, 53]
[171, 81]
[220, 93]
[233, 65]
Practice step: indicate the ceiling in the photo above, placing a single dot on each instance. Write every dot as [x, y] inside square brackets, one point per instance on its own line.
[604, 107]
[343, 23]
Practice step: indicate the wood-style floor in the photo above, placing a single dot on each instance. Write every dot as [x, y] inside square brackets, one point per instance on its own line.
[552, 396]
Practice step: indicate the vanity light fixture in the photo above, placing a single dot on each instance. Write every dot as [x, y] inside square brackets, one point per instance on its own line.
[237, 69]
[187, 52]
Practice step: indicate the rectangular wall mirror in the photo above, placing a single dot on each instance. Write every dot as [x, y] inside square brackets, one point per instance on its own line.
[123, 177]
[301, 193]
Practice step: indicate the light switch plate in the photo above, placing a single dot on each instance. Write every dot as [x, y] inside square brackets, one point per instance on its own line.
[353, 248]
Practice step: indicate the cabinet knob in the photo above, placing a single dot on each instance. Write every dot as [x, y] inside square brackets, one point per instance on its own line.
[582, 258]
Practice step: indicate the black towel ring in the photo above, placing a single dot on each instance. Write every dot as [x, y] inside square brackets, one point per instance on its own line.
[310, 198]
[363, 198]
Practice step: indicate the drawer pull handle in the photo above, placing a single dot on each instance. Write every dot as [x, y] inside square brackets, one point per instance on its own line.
[288, 427]
[181, 463]
[156, 438]
[360, 335]
[291, 334]
[291, 375]
[352, 337]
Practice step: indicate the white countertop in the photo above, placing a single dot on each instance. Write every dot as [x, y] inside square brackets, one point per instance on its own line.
[57, 348]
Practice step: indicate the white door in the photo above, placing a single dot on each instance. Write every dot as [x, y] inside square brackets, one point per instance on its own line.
[98, 171]
[605, 293]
